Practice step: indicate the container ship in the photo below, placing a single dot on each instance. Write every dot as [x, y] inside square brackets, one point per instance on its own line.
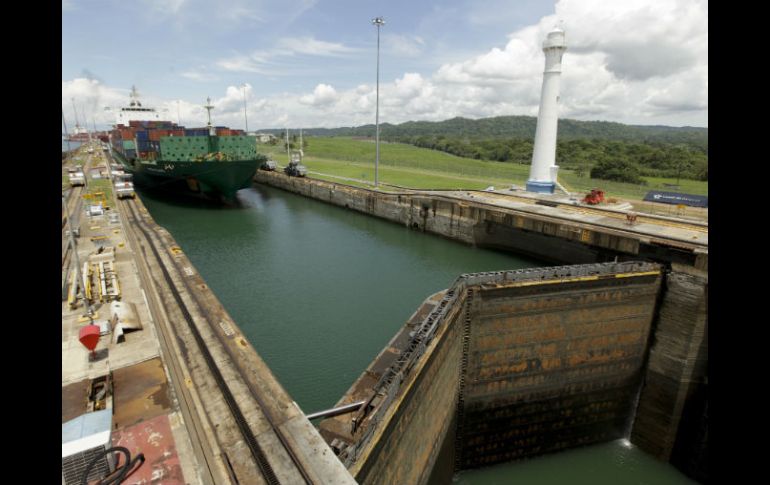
[210, 162]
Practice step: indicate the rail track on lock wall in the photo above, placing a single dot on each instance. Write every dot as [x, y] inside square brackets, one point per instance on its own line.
[485, 201]
[641, 217]
[236, 410]
[74, 205]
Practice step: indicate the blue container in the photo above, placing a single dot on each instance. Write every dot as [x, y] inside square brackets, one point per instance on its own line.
[142, 135]
[130, 153]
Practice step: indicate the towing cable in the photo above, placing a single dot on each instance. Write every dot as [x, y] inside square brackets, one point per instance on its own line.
[121, 473]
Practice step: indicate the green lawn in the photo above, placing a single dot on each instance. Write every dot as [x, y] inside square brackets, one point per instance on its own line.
[410, 166]
[101, 185]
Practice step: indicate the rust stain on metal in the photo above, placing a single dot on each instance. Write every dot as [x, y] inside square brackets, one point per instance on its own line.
[141, 393]
[154, 439]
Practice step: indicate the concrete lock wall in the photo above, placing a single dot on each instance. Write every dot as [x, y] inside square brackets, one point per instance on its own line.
[483, 225]
[674, 378]
[554, 365]
[675, 372]
[528, 362]
[421, 419]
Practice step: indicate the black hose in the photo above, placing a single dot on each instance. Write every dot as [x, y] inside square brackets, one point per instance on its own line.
[121, 473]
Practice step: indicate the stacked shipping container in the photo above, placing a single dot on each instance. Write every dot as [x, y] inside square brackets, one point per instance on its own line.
[142, 139]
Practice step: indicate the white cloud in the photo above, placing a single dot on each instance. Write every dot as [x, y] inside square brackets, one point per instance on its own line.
[261, 61]
[198, 75]
[89, 97]
[396, 45]
[323, 95]
[631, 61]
[242, 64]
[409, 86]
[311, 46]
[169, 7]
[642, 39]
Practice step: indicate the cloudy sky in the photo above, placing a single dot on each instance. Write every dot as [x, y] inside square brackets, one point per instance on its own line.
[312, 63]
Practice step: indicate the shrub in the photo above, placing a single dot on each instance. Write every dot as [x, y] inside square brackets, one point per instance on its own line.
[617, 170]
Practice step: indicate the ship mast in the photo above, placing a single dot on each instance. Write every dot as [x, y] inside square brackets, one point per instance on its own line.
[209, 107]
[66, 135]
[77, 125]
[212, 132]
[134, 97]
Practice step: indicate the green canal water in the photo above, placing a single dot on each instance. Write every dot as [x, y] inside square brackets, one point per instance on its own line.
[320, 290]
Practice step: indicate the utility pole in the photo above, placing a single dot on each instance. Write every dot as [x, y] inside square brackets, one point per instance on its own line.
[288, 152]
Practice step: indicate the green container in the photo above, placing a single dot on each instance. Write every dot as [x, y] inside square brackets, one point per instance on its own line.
[188, 148]
[129, 145]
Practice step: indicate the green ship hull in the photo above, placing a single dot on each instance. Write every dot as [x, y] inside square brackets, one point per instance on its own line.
[213, 167]
[217, 180]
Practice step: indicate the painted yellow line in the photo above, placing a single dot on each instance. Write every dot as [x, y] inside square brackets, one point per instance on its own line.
[579, 278]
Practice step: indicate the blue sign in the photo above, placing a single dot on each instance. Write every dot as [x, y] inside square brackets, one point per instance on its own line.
[677, 198]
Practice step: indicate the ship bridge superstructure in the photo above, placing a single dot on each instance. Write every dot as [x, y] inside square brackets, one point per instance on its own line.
[135, 111]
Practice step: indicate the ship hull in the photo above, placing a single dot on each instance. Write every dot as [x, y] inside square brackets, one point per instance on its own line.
[215, 180]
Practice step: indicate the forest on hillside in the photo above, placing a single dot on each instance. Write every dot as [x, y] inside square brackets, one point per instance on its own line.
[606, 150]
[623, 161]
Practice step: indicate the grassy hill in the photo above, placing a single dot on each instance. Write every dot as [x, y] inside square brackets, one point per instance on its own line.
[410, 166]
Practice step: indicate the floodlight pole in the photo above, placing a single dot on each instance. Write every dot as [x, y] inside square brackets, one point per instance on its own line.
[245, 117]
[378, 21]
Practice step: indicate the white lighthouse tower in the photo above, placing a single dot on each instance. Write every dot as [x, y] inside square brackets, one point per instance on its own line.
[542, 174]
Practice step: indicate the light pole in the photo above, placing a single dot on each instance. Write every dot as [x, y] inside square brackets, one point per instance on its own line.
[378, 21]
[74, 249]
[245, 117]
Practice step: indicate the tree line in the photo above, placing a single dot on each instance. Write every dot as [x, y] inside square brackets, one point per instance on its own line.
[623, 161]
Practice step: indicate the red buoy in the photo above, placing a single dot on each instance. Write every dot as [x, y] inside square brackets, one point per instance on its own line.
[89, 336]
